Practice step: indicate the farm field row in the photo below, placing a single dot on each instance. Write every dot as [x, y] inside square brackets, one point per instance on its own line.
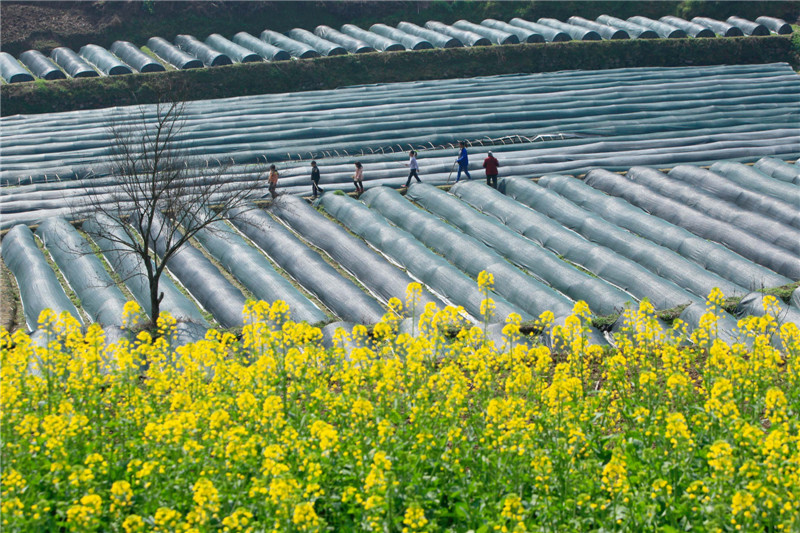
[610, 240]
[565, 122]
[188, 52]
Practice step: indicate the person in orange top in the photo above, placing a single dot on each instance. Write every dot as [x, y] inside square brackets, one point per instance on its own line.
[273, 181]
[491, 164]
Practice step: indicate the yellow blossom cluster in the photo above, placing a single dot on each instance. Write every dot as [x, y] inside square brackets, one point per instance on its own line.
[432, 430]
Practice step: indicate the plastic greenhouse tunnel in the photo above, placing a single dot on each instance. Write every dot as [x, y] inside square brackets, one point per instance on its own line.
[172, 54]
[523, 34]
[203, 52]
[691, 28]
[265, 50]
[578, 33]
[603, 30]
[236, 52]
[11, 70]
[378, 42]
[323, 46]
[339, 294]
[105, 61]
[133, 56]
[350, 43]
[38, 286]
[635, 31]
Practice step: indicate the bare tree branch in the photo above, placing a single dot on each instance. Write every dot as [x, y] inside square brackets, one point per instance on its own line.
[159, 199]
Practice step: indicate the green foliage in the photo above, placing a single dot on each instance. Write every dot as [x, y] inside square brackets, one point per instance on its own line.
[265, 428]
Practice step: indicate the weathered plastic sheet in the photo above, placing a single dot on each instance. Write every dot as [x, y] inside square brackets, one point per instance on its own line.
[467, 38]
[191, 326]
[603, 30]
[201, 278]
[771, 256]
[778, 169]
[467, 253]
[439, 40]
[578, 33]
[265, 50]
[753, 305]
[692, 28]
[38, 286]
[756, 181]
[427, 113]
[255, 272]
[11, 70]
[133, 56]
[412, 42]
[727, 328]
[104, 60]
[719, 187]
[172, 54]
[756, 224]
[710, 255]
[84, 272]
[323, 46]
[551, 35]
[775, 25]
[236, 52]
[794, 301]
[41, 66]
[748, 27]
[203, 52]
[494, 35]
[329, 333]
[378, 275]
[524, 35]
[351, 44]
[602, 297]
[295, 48]
[431, 269]
[662, 261]
[379, 42]
[339, 294]
[666, 31]
[635, 31]
[720, 28]
[72, 63]
[604, 263]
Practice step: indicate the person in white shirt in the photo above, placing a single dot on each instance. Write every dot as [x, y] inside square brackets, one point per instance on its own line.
[413, 167]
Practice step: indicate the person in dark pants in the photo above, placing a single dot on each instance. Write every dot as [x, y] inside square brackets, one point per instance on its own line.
[491, 164]
[315, 188]
[273, 181]
[463, 162]
[358, 178]
[413, 168]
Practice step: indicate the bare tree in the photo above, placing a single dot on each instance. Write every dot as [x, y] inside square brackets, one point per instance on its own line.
[162, 195]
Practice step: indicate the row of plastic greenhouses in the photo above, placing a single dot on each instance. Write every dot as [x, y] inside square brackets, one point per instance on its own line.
[187, 51]
[610, 240]
[564, 122]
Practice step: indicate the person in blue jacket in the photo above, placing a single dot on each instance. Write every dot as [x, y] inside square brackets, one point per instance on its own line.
[463, 162]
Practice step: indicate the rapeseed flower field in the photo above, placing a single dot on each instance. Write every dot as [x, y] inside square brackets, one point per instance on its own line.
[420, 431]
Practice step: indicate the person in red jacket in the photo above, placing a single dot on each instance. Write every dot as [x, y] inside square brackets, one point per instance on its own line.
[491, 164]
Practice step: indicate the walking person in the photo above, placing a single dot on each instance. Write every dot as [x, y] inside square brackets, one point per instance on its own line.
[273, 181]
[358, 178]
[315, 188]
[490, 164]
[463, 162]
[413, 168]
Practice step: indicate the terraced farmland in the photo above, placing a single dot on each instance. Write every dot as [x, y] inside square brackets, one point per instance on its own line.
[610, 239]
[188, 52]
